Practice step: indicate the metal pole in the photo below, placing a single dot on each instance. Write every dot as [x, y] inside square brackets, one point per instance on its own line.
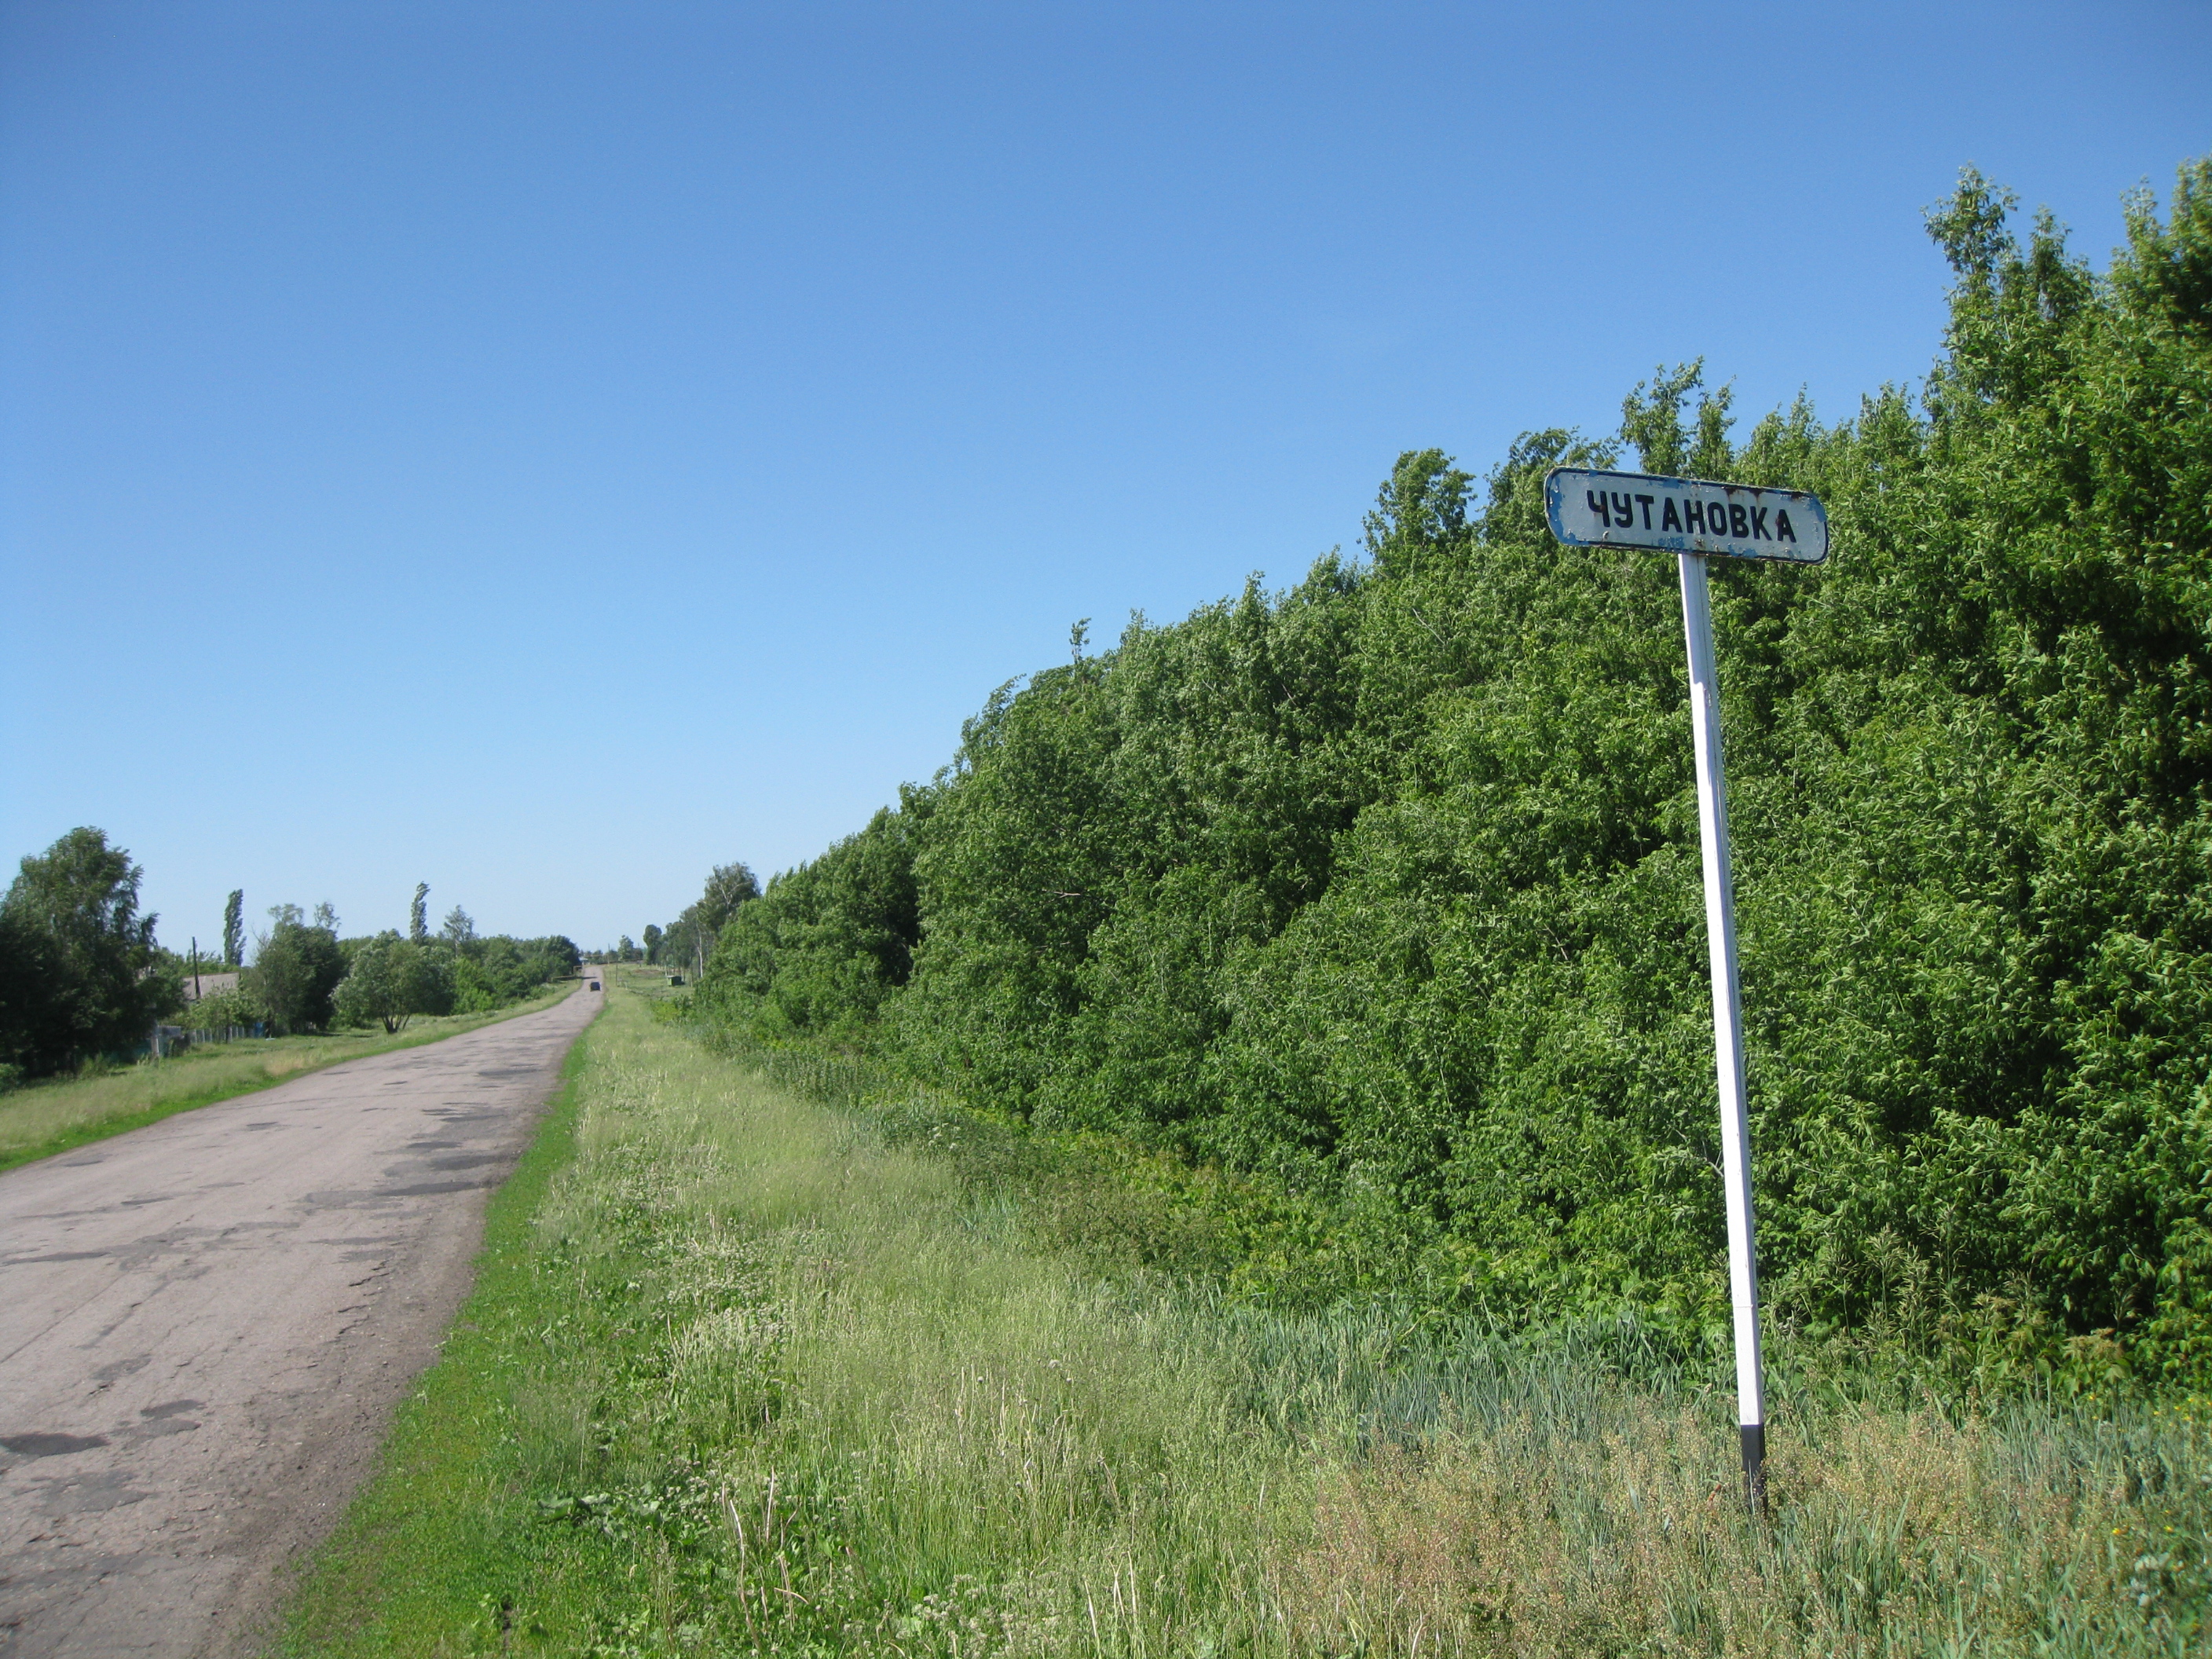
[1728, 1024]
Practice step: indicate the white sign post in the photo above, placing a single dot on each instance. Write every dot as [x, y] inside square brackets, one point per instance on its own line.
[1695, 520]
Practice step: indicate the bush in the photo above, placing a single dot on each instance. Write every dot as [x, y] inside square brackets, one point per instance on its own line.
[221, 1011]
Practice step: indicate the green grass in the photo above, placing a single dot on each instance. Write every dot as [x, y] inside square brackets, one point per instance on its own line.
[743, 1374]
[41, 1119]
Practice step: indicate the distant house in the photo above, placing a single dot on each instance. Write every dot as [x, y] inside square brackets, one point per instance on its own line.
[210, 985]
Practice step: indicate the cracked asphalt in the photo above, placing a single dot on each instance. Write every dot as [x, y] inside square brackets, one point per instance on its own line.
[206, 1323]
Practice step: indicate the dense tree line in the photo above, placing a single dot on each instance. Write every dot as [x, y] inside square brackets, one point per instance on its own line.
[1386, 886]
[304, 978]
[390, 979]
[83, 978]
[687, 942]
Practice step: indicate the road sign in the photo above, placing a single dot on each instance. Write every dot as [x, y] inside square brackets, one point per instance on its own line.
[1590, 508]
[1695, 519]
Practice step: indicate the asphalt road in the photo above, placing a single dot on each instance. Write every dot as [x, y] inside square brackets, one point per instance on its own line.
[205, 1324]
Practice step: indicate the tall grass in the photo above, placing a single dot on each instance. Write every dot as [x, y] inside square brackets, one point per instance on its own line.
[752, 1379]
[41, 1119]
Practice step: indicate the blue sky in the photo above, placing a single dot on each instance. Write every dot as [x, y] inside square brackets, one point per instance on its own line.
[546, 449]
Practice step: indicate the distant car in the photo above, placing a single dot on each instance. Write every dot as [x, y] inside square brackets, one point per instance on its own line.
[595, 985]
[675, 979]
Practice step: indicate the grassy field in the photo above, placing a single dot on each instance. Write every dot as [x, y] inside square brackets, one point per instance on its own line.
[741, 1375]
[45, 1118]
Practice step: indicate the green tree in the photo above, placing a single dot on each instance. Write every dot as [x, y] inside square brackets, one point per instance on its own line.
[728, 886]
[73, 910]
[234, 929]
[1421, 510]
[689, 939]
[829, 942]
[391, 979]
[555, 957]
[653, 937]
[498, 970]
[297, 966]
[418, 915]
[34, 1026]
[459, 929]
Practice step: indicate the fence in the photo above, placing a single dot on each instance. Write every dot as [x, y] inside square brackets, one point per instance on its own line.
[168, 1040]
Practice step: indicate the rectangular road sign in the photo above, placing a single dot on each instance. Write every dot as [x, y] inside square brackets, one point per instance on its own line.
[1589, 508]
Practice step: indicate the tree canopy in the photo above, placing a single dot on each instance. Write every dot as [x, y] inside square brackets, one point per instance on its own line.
[82, 976]
[297, 968]
[689, 939]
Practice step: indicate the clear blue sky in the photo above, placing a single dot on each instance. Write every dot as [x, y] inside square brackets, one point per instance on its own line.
[546, 449]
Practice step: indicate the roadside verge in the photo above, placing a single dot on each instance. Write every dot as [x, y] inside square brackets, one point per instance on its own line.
[740, 1374]
[41, 1119]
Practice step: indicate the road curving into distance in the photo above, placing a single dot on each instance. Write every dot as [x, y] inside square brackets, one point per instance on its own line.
[206, 1323]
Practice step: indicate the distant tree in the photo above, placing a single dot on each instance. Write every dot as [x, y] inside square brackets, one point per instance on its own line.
[234, 929]
[557, 955]
[496, 972]
[652, 938]
[392, 980]
[499, 971]
[690, 937]
[74, 911]
[418, 915]
[296, 967]
[460, 928]
[326, 915]
[627, 949]
[829, 942]
[729, 886]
